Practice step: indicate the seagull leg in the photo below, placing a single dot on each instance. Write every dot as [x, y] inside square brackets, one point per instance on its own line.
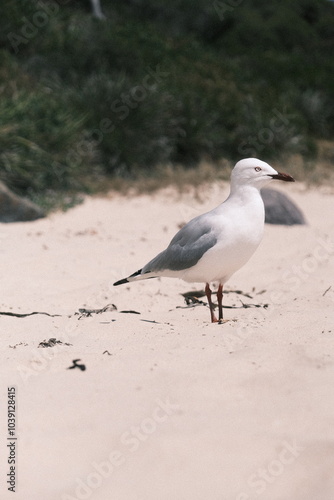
[208, 294]
[220, 302]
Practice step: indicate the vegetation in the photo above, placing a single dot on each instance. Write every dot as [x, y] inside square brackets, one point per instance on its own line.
[154, 84]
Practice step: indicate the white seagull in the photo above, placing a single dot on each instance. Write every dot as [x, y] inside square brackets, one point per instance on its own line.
[213, 246]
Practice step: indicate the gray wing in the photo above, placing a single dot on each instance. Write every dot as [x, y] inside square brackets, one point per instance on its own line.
[186, 248]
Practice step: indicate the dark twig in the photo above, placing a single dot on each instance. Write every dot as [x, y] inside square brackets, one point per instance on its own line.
[86, 313]
[194, 295]
[192, 300]
[18, 315]
[151, 321]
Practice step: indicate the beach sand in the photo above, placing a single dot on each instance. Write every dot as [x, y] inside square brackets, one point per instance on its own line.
[169, 406]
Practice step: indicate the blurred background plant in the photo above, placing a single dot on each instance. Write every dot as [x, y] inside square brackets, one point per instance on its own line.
[83, 100]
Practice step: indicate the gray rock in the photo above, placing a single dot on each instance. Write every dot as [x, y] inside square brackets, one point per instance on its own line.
[13, 208]
[279, 209]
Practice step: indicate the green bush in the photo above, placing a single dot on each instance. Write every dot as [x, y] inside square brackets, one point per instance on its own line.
[79, 95]
[39, 132]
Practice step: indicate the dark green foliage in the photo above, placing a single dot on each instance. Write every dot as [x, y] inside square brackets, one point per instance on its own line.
[159, 82]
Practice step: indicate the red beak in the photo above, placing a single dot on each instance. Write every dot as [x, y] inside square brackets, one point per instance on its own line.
[283, 177]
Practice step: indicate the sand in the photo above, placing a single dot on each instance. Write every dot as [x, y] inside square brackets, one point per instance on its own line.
[169, 406]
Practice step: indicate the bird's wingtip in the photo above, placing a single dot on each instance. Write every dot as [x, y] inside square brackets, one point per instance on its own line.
[128, 279]
[121, 282]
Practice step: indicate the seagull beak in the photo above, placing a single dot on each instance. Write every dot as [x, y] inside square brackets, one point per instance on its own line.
[282, 177]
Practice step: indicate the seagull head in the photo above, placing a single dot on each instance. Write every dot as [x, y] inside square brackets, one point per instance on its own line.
[257, 173]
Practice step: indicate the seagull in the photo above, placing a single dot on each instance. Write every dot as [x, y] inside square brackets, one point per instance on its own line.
[213, 246]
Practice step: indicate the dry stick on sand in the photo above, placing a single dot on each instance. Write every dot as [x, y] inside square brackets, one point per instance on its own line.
[19, 315]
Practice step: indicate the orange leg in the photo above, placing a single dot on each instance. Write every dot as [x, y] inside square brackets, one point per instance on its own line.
[212, 312]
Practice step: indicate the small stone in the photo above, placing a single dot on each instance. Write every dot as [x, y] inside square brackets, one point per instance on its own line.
[13, 208]
[279, 209]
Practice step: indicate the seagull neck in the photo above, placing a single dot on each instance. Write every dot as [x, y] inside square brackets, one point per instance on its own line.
[244, 193]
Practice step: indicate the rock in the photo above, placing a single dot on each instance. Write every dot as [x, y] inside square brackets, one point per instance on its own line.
[279, 209]
[13, 208]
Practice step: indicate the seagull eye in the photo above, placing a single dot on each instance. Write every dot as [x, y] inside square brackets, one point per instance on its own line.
[257, 169]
